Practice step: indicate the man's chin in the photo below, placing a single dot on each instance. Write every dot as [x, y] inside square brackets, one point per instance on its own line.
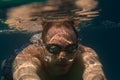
[62, 69]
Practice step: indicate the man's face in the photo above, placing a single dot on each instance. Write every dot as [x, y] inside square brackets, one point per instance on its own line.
[61, 49]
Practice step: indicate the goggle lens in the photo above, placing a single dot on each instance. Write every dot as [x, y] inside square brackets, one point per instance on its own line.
[56, 49]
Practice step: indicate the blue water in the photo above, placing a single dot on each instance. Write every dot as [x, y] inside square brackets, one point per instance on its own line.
[103, 37]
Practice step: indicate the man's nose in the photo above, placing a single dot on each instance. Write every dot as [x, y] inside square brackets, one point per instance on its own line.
[62, 55]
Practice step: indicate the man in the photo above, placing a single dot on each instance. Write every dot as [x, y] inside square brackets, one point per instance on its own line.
[58, 57]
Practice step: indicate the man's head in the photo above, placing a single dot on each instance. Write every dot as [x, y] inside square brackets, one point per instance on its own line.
[60, 40]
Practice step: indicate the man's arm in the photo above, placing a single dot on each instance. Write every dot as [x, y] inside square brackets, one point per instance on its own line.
[26, 65]
[93, 67]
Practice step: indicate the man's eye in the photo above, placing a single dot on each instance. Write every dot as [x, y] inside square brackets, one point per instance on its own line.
[71, 48]
[53, 49]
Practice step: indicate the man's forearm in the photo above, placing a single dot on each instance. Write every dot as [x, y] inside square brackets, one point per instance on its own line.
[26, 67]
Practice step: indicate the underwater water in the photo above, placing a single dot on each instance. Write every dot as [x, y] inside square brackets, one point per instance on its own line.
[103, 37]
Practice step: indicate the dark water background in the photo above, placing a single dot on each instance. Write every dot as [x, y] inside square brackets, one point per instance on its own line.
[103, 36]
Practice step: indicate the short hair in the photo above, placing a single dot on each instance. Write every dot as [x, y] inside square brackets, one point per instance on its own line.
[65, 24]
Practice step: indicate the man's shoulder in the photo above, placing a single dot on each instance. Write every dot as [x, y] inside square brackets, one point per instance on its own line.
[87, 51]
[85, 48]
[31, 49]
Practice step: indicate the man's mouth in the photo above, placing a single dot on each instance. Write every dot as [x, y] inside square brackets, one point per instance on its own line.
[62, 64]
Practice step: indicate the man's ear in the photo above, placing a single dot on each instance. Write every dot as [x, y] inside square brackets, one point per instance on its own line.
[36, 38]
